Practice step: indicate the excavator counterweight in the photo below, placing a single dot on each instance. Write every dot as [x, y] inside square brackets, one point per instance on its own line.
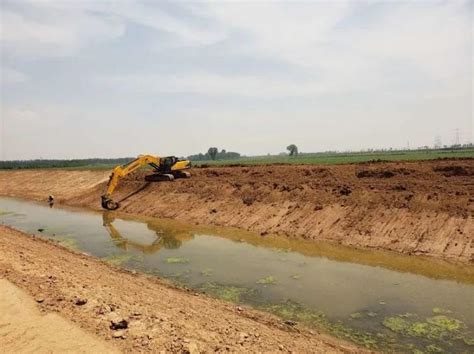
[165, 169]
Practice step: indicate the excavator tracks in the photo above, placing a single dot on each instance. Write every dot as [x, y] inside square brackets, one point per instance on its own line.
[158, 177]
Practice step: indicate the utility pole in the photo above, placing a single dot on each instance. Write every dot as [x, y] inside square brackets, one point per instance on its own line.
[437, 142]
[456, 137]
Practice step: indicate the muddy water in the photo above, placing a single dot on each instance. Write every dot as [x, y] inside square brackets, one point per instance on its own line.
[380, 300]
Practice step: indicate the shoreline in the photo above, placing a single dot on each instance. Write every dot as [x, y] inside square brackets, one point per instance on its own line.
[91, 293]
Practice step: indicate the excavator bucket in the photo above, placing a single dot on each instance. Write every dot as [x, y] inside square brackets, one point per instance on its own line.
[109, 204]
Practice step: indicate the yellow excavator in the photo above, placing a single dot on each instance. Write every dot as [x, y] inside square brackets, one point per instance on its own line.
[165, 169]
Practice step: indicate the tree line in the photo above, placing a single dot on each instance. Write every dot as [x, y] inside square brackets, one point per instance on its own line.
[213, 153]
[18, 164]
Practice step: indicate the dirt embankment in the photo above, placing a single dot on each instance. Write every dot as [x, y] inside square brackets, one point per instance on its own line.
[408, 207]
[132, 312]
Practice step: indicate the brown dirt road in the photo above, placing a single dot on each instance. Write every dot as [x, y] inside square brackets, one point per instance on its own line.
[94, 295]
[23, 328]
[418, 208]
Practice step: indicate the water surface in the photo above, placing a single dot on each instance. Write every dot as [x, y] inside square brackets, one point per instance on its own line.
[377, 299]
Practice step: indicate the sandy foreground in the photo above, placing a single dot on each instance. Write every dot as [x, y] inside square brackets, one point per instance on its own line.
[55, 299]
[415, 208]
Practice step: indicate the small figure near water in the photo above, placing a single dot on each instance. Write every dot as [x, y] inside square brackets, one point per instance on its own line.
[51, 201]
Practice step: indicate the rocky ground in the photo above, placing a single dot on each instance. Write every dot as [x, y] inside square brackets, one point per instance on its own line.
[417, 208]
[55, 299]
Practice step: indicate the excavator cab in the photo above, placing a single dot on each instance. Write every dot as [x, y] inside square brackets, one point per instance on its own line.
[165, 169]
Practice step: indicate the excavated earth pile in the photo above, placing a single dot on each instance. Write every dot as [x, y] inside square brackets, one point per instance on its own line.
[408, 207]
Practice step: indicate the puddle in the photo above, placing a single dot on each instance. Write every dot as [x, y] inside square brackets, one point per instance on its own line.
[376, 299]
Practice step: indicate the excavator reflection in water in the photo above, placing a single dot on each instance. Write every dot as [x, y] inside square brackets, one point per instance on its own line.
[164, 238]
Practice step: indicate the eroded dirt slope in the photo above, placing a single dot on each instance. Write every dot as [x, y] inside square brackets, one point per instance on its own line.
[412, 208]
[98, 297]
[38, 184]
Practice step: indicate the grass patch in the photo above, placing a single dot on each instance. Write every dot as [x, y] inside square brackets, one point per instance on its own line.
[343, 158]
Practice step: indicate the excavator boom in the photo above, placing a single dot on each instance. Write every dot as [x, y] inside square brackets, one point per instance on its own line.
[168, 167]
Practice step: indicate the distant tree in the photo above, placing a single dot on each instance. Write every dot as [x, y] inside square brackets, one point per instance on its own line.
[212, 152]
[222, 155]
[293, 149]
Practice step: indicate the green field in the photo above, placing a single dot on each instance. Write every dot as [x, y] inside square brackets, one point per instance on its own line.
[342, 158]
[306, 158]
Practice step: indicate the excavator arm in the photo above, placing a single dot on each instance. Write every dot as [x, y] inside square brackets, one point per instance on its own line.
[161, 166]
[123, 170]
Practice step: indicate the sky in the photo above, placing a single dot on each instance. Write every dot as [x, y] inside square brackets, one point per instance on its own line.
[120, 78]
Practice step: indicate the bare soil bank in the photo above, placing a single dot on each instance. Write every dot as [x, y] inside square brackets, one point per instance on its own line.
[23, 328]
[98, 297]
[408, 207]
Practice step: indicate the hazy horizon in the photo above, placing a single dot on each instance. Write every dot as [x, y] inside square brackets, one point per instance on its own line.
[122, 78]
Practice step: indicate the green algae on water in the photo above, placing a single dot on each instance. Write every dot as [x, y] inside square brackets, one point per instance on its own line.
[469, 341]
[434, 349]
[176, 260]
[206, 272]
[436, 327]
[10, 213]
[118, 259]
[181, 277]
[227, 292]
[356, 315]
[446, 323]
[396, 324]
[439, 310]
[270, 280]
[67, 242]
[296, 312]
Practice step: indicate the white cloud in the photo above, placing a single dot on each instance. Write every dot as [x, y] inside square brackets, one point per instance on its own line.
[212, 85]
[430, 36]
[63, 28]
[366, 78]
[12, 76]
[183, 31]
[407, 43]
[44, 29]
